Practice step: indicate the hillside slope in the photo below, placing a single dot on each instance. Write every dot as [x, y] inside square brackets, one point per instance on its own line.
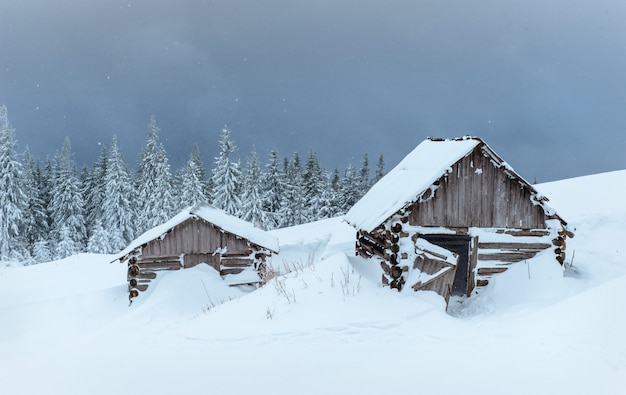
[326, 325]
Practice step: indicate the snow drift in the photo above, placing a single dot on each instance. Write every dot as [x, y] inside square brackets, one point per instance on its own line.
[326, 325]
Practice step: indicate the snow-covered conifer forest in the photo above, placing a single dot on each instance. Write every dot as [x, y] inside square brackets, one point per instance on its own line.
[49, 209]
[323, 323]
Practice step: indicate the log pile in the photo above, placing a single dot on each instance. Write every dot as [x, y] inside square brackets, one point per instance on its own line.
[142, 270]
[383, 243]
[559, 243]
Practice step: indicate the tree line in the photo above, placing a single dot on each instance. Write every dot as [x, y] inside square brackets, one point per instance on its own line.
[51, 210]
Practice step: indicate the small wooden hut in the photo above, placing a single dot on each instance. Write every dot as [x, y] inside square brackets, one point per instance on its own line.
[451, 215]
[200, 234]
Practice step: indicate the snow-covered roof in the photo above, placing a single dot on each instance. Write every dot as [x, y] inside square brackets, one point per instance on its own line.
[215, 216]
[409, 179]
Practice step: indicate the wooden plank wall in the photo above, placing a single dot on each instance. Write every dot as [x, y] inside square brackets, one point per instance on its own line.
[194, 236]
[478, 194]
[194, 241]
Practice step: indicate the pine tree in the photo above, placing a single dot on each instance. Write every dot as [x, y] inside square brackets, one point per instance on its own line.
[380, 169]
[313, 184]
[252, 191]
[117, 207]
[274, 186]
[348, 189]
[331, 197]
[226, 177]
[13, 199]
[100, 240]
[41, 251]
[155, 203]
[94, 191]
[67, 205]
[192, 181]
[35, 224]
[45, 178]
[364, 177]
[66, 244]
[293, 205]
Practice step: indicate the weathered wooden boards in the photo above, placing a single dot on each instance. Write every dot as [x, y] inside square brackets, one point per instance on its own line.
[188, 244]
[384, 244]
[479, 194]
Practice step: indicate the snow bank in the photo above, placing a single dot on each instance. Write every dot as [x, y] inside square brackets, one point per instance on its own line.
[326, 325]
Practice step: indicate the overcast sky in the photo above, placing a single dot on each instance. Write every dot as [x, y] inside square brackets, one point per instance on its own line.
[543, 82]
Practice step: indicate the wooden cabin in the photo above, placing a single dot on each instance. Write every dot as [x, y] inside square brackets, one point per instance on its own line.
[200, 234]
[451, 215]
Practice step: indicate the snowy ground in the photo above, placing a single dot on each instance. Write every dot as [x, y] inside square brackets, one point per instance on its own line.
[327, 326]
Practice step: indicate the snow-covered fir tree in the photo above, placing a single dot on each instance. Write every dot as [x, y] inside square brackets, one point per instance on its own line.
[35, 224]
[331, 197]
[41, 251]
[252, 192]
[93, 191]
[13, 199]
[66, 244]
[364, 176]
[273, 187]
[117, 206]
[293, 207]
[155, 203]
[192, 183]
[226, 177]
[349, 189]
[100, 239]
[314, 182]
[380, 169]
[67, 205]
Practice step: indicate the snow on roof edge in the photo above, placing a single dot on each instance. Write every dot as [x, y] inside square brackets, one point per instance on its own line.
[211, 214]
[417, 171]
[373, 210]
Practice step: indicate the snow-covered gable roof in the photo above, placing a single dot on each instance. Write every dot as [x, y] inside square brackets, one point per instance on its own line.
[412, 176]
[215, 216]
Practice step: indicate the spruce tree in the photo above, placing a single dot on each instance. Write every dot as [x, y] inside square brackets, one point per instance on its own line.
[293, 205]
[100, 240]
[41, 251]
[364, 177]
[313, 184]
[252, 192]
[155, 203]
[192, 184]
[273, 186]
[348, 189]
[117, 207]
[331, 197]
[380, 169]
[226, 177]
[67, 205]
[66, 244]
[35, 224]
[13, 199]
[94, 191]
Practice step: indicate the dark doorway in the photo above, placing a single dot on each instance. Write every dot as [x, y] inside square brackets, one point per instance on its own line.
[459, 244]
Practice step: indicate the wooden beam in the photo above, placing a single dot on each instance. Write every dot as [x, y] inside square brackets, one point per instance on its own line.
[513, 246]
[507, 256]
[488, 271]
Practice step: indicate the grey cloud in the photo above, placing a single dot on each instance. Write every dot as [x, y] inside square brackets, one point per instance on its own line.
[541, 81]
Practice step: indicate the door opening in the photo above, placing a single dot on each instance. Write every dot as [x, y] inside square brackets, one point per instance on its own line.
[459, 244]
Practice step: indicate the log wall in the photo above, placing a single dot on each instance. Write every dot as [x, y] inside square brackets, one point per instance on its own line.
[186, 245]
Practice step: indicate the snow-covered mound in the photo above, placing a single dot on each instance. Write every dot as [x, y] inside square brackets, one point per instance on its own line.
[326, 325]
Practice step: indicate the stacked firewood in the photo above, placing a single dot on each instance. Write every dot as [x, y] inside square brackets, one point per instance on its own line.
[559, 243]
[384, 244]
[143, 270]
